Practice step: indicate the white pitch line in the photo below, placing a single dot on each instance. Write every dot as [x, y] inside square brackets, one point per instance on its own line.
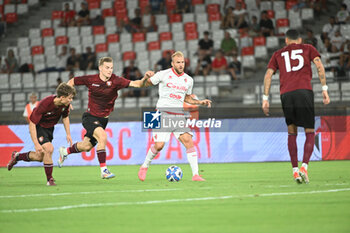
[168, 201]
[94, 192]
[287, 186]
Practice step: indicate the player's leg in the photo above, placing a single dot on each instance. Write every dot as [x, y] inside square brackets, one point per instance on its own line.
[48, 163]
[83, 146]
[308, 149]
[159, 138]
[26, 156]
[186, 140]
[293, 151]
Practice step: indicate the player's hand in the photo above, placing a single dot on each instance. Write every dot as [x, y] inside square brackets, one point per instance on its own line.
[265, 107]
[39, 149]
[326, 99]
[206, 102]
[149, 74]
[69, 140]
[71, 107]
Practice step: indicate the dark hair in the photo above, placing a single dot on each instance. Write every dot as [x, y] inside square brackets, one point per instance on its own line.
[344, 6]
[65, 90]
[292, 34]
[206, 33]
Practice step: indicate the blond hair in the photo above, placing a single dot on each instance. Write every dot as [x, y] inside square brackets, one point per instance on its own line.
[104, 59]
[177, 54]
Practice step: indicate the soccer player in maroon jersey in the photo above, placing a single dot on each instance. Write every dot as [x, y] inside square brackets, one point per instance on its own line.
[294, 64]
[41, 126]
[103, 91]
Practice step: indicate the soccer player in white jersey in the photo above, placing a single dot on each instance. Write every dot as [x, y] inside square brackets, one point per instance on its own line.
[175, 88]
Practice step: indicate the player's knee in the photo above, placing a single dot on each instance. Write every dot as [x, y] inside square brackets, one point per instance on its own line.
[159, 146]
[85, 147]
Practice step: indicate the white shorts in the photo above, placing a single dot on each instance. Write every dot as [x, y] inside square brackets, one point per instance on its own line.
[161, 135]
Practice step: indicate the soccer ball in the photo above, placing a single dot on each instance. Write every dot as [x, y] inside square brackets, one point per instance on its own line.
[173, 173]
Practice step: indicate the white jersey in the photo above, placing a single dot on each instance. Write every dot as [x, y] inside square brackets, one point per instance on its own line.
[172, 88]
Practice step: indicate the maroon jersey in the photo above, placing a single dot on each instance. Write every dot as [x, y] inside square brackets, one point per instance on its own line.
[47, 114]
[102, 95]
[294, 64]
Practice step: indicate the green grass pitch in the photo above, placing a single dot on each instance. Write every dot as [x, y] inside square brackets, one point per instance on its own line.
[237, 197]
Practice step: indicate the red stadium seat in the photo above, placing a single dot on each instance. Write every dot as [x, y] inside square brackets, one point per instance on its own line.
[7, 2]
[143, 3]
[170, 6]
[57, 15]
[119, 4]
[165, 36]
[100, 48]
[130, 55]
[190, 27]
[196, 2]
[167, 51]
[154, 45]
[138, 37]
[213, 8]
[258, 41]
[96, 30]
[214, 17]
[36, 50]
[175, 18]
[47, 32]
[113, 38]
[192, 35]
[107, 12]
[11, 18]
[282, 22]
[121, 13]
[270, 14]
[94, 5]
[247, 51]
[61, 40]
[1, 9]
[290, 4]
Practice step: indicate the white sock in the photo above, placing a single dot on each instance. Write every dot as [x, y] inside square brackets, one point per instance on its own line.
[193, 160]
[295, 169]
[152, 152]
[103, 168]
[305, 165]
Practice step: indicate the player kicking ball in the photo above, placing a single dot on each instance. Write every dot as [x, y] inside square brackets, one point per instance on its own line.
[103, 91]
[175, 88]
[41, 126]
[297, 97]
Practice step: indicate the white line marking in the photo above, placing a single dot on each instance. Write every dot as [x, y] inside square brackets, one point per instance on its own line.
[168, 201]
[286, 186]
[95, 192]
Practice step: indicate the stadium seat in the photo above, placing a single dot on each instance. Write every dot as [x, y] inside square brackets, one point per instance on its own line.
[142, 56]
[99, 39]
[163, 27]
[192, 35]
[110, 21]
[50, 50]
[188, 17]
[130, 103]
[23, 42]
[164, 36]
[114, 48]
[22, 9]
[175, 18]
[282, 25]
[96, 30]
[25, 51]
[248, 61]
[179, 36]
[265, 5]
[143, 3]
[36, 50]
[180, 45]
[151, 36]
[307, 13]
[272, 42]
[6, 97]
[85, 31]
[93, 4]
[214, 17]
[4, 81]
[213, 8]
[127, 47]
[161, 19]
[153, 45]
[177, 27]
[112, 38]
[203, 27]
[138, 37]
[166, 45]
[279, 5]
[260, 51]
[125, 38]
[199, 8]
[261, 40]
[47, 32]
[190, 27]
[140, 46]
[196, 2]
[144, 102]
[35, 41]
[9, 8]
[61, 40]
[280, 14]
[249, 99]
[270, 14]
[41, 80]
[60, 31]
[72, 31]
[106, 5]
[15, 81]
[295, 23]
[129, 55]
[74, 40]
[34, 33]
[56, 15]
[49, 41]
[290, 4]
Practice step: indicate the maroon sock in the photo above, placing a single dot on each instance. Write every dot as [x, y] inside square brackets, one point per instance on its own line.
[293, 150]
[73, 149]
[101, 154]
[48, 171]
[308, 147]
[23, 157]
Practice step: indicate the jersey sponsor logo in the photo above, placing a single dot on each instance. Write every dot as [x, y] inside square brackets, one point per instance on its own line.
[171, 85]
[96, 122]
[63, 109]
[175, 96]
[48, 113]
[95, 85]
[41, 139]
[109, 83]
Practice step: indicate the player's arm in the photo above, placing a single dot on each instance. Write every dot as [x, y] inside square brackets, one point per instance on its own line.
[188, 99]
[322, 76]
[267, 85]
[71, 82]
[66, 124]
[144, 82]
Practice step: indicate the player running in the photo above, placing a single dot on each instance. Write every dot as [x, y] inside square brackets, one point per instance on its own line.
[175, 88]
[294, 64]
[41, 126]
[103, 91]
